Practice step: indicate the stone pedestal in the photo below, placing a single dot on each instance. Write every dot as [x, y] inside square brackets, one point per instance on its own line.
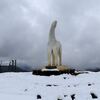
[53, 70]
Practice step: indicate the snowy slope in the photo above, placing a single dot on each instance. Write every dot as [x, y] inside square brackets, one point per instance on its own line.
[25, 86]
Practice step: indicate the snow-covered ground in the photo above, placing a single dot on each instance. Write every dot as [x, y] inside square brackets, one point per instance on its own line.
[25, 86]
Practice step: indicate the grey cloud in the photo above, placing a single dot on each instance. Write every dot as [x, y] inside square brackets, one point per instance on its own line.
[24, 27]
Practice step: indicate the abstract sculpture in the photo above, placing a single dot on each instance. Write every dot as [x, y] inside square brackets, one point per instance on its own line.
[54, 66]
[54, 48]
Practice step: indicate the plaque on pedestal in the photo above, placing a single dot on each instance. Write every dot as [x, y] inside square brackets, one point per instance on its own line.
[50, 68]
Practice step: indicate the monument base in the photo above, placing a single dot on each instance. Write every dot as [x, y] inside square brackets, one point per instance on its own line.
[53, 70]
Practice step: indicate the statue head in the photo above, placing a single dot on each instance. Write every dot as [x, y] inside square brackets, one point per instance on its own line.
[54, 23]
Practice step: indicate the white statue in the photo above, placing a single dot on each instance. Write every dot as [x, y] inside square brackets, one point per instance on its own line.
[54, 48]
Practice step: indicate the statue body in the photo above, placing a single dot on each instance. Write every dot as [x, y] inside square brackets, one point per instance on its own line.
[54, 48]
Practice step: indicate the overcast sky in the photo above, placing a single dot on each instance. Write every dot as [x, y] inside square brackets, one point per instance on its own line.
[25, 24]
